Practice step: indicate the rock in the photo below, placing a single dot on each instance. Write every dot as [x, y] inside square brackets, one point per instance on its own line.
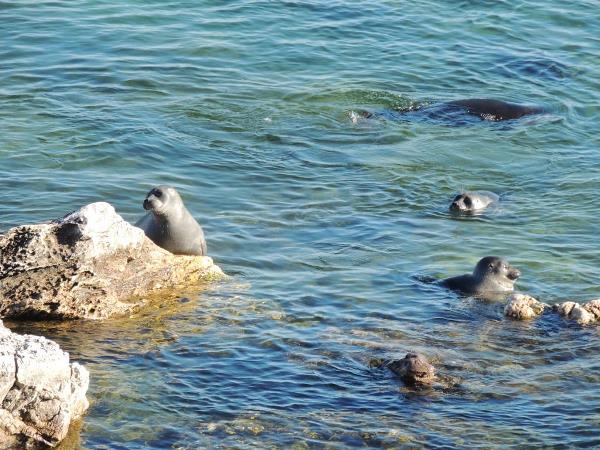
[593, 307]
[564, 309]
[40, 392]
[413, 369]
[523, 307]
[90, 264]
[582, 314]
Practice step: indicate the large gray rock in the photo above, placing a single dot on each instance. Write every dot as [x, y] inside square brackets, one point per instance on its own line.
[90, 264]
[40, 392]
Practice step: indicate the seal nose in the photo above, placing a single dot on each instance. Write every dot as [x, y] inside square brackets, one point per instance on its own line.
[146, 204]
[514, 274]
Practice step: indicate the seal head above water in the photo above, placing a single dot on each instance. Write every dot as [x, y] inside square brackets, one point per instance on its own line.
[472, 201]
[413, 369]
[492, 274]
[170, 225]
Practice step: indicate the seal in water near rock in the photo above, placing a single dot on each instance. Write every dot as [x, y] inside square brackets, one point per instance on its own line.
[170, 225]
[413, 369]
[472, 201]
[491, 275]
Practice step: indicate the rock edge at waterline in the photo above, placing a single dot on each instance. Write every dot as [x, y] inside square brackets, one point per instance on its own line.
[525, 307]
[582, 314]
[90, 264]
[41, 393]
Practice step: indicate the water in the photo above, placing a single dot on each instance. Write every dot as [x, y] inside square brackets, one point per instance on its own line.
[324, 224]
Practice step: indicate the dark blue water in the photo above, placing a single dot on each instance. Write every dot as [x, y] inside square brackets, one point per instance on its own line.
[324, 224]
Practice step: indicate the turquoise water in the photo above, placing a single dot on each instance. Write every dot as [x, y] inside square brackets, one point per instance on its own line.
[325, 225]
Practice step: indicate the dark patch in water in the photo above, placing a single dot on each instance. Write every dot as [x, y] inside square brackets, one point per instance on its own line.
[542, 68]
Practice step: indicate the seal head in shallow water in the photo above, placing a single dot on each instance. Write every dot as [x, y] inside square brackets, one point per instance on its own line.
[491, 275]
[413, 369]
[170, 225]
[472, 201]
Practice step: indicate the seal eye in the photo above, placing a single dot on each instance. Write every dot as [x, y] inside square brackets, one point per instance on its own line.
[157, 193]
[467, 201]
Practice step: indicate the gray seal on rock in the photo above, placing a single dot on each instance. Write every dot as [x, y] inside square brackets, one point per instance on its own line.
[472, 201]
[170, 225]
[492, 274]
[413, 369]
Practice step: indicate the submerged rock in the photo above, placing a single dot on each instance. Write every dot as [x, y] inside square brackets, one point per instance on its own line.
[583, 314]
[41, 393]
[523, 307]
[90, 264]
[413, 369]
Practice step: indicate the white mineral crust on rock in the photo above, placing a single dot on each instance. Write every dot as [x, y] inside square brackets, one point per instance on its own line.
[40, 391]
[523, 307]
[583, 314]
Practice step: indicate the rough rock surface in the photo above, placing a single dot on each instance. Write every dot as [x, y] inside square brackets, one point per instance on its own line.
[583, 314]
[40, 392]
[90, 264]
[523, 307]
[414, 368]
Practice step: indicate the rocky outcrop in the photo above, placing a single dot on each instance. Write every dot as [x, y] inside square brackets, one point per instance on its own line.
[413, 369]
[40, 391]
[523, 307]
[583, 314]
[90, 264]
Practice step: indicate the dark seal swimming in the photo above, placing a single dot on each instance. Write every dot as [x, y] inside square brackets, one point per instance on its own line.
[492, 274]
[460, 112]
[489, 109]
[170, 225]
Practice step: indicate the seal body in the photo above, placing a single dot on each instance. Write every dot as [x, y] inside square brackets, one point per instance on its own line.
[170, 225]
[492, 274]
[472, 201]
[490, 109]
[413, 369]
[457, 112]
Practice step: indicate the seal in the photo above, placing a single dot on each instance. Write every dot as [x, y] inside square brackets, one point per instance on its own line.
[494, 110]
[492, 274]
[457, 112]
[413, 369]
[170, 225]
[472, 201]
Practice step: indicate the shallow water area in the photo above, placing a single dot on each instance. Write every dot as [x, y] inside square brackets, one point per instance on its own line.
[324, 223]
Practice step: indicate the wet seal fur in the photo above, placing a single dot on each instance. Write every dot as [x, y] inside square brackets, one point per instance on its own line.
[170, 225]
[492, 274]
[472, 201]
